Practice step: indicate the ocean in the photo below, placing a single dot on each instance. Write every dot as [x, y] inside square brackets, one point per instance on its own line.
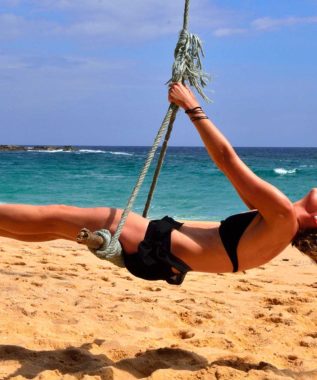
[189, 187]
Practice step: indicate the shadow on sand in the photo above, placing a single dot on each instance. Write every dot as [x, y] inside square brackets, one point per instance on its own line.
[80, 361]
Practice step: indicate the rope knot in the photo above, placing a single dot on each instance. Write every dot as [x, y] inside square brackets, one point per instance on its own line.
[187, 64]
[111, 252]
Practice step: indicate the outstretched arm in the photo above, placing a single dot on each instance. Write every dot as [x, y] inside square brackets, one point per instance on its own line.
[254, 191]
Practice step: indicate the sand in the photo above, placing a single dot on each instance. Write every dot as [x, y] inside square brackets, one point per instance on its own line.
[68, 315]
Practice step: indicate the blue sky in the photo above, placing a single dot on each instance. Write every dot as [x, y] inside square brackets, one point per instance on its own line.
[92, 72]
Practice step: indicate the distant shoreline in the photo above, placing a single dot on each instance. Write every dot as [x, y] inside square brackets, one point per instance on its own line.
[75, 148]
[22, 148]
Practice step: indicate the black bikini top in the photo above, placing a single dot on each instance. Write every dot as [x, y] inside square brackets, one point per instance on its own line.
[231, 230]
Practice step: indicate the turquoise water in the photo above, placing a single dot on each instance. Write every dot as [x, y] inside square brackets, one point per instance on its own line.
[190, 186]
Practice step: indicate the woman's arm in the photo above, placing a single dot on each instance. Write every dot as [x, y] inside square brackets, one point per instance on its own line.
[254, 191]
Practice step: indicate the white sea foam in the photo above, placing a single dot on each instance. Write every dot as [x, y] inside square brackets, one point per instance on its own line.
[105, 151]
[54, 151]
[91, 151]
[282, 171]
[48, 151]
[30, 149]
[121, 153]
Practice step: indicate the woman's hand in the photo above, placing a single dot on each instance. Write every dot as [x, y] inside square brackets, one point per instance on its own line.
[182, 96]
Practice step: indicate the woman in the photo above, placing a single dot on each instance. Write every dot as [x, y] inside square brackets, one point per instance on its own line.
[167, 249]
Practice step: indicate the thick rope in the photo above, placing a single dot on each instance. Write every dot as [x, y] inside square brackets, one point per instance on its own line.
[159, 164]
[187, 67]
[115, 257]
[172, 108]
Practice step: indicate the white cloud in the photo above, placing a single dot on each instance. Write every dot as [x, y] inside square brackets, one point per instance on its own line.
[37, 80]
[265, 24]
[116, 29]
[13, 26]
[225, 32]
[117, 20]
[67, 64]
[126, 20]
[139, 19]
[268, 23]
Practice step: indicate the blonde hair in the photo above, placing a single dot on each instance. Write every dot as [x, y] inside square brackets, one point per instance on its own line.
[306, 242]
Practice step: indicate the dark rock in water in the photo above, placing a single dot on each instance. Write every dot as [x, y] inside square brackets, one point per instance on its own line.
[11, 148]
[69, 148]
[17, 148]
[44, 147]
[49, 148]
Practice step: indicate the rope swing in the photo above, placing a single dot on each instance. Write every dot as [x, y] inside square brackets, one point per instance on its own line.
[187, 67]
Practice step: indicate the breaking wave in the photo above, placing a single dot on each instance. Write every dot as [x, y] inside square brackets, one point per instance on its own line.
[282, 171]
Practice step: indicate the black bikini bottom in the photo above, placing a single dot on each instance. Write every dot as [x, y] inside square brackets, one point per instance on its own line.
[154, 260]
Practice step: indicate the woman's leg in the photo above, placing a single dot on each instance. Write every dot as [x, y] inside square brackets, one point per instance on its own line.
[41, 223]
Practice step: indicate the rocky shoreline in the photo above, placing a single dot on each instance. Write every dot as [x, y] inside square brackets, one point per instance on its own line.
[22, 148]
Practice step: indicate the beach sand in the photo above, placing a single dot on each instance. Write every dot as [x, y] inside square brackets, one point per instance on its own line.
[67, 315]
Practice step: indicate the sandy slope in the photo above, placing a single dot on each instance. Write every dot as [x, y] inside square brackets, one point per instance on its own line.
[67, 315]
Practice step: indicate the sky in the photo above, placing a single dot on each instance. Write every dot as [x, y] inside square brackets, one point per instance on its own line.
[94, 72]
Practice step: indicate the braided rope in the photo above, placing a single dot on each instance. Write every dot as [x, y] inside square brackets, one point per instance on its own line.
[159, 164]
[187, 66]
[172, 108]
[115, 257]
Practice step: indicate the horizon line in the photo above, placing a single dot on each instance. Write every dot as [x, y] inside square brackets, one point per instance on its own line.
[148, 146]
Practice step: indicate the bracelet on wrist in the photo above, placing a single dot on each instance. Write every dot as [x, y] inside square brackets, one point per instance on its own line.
[193, 110]
[199, 118]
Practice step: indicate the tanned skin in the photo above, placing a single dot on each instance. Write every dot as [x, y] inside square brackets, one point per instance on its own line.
[198, 244]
